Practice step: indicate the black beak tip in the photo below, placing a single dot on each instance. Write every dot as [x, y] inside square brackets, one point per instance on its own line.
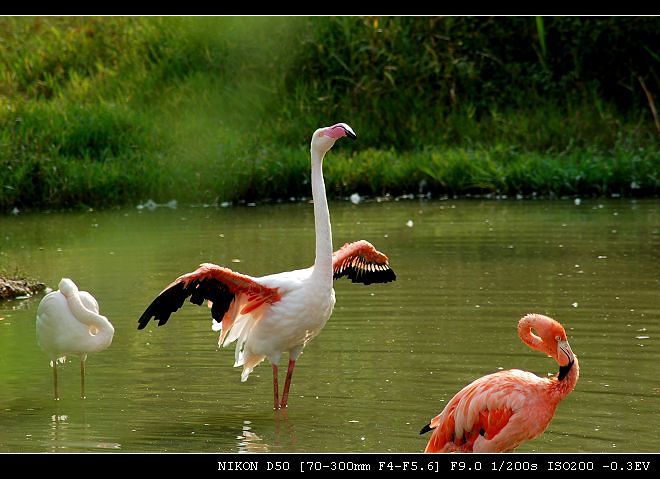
[352, 136]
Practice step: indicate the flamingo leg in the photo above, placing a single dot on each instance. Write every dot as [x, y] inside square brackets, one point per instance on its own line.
[57, 395]
[287, 384]
[276, 390]
[82, 378]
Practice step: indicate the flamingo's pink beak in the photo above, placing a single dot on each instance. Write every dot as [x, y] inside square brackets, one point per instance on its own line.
[339, 131]
[564, 353]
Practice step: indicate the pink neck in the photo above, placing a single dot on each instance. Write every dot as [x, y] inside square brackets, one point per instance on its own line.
[561, 388]
[530, 339]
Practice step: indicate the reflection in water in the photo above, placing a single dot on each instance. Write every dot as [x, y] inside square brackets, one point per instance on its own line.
[66, 436]
[388, 356]
[249, 441]
[283, 435]
[58, 423]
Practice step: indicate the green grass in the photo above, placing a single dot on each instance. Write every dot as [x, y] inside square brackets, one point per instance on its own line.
[107, 111]
[459, 171]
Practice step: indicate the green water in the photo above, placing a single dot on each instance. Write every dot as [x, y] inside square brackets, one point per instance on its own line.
[388, 359]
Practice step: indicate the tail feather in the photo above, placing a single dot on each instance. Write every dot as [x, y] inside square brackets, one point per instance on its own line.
[426, 429]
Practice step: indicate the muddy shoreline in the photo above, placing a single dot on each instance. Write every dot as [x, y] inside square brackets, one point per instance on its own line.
[16, 287]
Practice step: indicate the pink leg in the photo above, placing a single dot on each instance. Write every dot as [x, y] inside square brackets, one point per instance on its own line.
[287, 384]
[276, 391]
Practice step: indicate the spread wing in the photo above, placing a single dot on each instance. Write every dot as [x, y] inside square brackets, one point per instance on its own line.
[362, 263]
[220, 286]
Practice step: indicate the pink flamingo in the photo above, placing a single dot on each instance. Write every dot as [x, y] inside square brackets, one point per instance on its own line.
[500, 411]
[282, 312]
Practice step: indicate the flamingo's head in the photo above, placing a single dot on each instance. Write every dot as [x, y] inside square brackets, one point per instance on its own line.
[551, 339]
[67, 287]
[324, 138]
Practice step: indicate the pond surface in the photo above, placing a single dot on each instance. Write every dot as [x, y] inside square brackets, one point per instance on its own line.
[388, 359]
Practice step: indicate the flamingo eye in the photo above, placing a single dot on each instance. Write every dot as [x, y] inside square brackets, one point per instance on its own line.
[558, 338]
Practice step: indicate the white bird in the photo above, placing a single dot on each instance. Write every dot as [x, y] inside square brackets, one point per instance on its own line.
[68, 322]
[282, 312]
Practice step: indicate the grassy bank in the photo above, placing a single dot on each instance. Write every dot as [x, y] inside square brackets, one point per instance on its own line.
[105, 111]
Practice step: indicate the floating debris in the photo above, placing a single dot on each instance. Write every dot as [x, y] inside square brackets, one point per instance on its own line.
[577, 201]
[152, 205]
[149, 204]
[410, 223]
[355, 198]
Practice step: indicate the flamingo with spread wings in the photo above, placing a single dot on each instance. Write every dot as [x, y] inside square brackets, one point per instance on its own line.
[282, 312]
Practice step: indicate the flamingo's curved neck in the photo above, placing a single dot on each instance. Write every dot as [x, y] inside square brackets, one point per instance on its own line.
[561, 387]
[323, 261]
[90, 318]
[565, 381]
[528, 337]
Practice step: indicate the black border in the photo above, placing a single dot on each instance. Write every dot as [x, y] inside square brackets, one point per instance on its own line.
[322, 463]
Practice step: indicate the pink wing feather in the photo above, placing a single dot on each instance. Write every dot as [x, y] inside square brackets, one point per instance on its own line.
[482, 408]
[362, 263]
[218, 285]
